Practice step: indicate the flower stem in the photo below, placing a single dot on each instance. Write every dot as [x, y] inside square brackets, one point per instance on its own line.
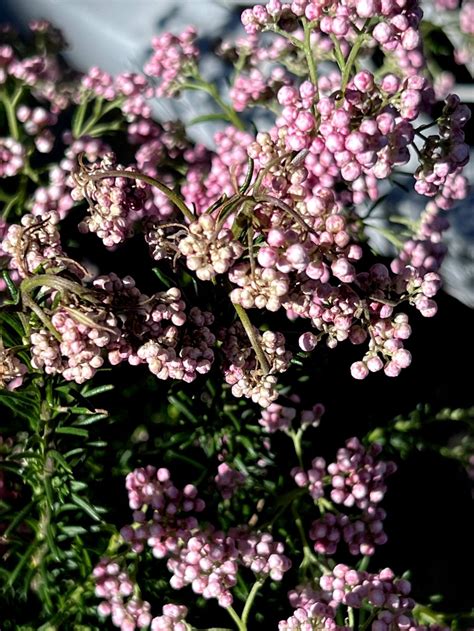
[53, 282]
[78, 118]
[235, 617]
[350, 615]
[313, 73]
[250, 598]
[296, 438]
[170, 194]
[248, 326]
[10, 105]
[297, 43]
[212, 90]
[309, 558]
[346, 73]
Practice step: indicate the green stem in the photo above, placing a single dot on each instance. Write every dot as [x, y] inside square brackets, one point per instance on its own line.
[248, 326]
[364, 563]
[212, 90]
[31, 304]
[235, 617]
[350, 615]
[78, 119]
[296, 438]
[313, 73]
[53, 282]
[45, 533]
[99, 111]
[170, 194]
[353, 56]
[10, 106]
[309, 558]
[370, 619]
[297, 43]
[249, 602]
[338, 53]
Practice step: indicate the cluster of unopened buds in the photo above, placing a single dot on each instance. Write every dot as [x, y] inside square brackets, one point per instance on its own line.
[228, 480]
[12, 370]
[111, 320]
[277, 417]
[115, 203]
[245, 373]
[198, 555]
[126, 609]
[208, 249]
[357, 480]
[315, 607]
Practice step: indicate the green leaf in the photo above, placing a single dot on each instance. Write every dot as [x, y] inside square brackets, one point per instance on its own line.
[24, 559]
[89, 420]
[73, 431]
[21, 404]
[77, 485]
[206, 118]
[24, 455]
[14, 293]
[103, 129]
[78, 118]
[164, 278]
[245, 442]
[181, 407]
[55, 455]
[74, 452]
[18, 519]
[86, 507]
[73, 531]
[51, 539]
[86, 392]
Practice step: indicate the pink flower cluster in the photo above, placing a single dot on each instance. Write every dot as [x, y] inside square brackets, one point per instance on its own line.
[254, 88]
[41, 71]
[35, 123]
[260, 553]
[12, 157]
[242, 370]
[209, 250]
[445, 154]
[115, 203]
[466, 18]
[357, 479]
[208, 562]
[206, 183]
[114, 586]
[277, 223]
[173, 59]
[201, 556]
[278, 417]
[56, 195]
[152, 495]
[127, 610]
[228, 480]
[33, 244]
[393, 26]
[130, 91]
[12, 371]
[79, 354]
[387, 596]
[113, 320]
[173, 619]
